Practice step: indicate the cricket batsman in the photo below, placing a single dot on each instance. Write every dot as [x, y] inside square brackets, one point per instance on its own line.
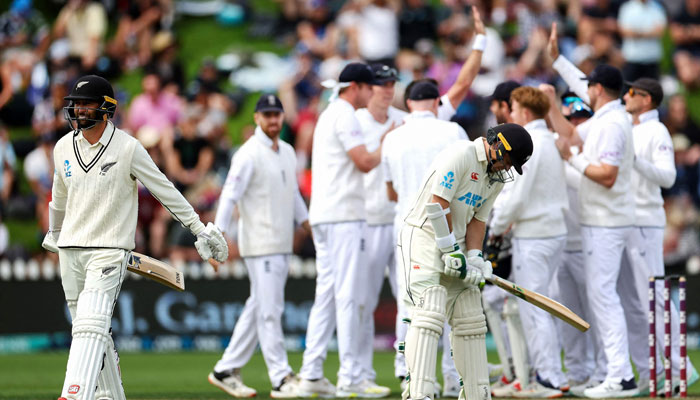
[92, 223]
[440, 245]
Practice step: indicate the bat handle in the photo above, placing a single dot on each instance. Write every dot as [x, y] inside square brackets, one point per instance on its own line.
[214, 264]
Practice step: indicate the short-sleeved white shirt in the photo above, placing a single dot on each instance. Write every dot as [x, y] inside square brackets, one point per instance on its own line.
[409, 150]
[379, 209]
[608, 140]
[337, 186]
[458, 175]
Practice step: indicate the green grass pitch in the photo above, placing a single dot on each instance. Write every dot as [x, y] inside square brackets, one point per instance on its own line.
[170, 376]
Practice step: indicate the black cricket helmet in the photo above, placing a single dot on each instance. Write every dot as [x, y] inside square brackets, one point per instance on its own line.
[514, 140]
[95, 89]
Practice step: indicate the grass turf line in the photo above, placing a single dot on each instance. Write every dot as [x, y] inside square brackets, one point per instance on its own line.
[171, 376]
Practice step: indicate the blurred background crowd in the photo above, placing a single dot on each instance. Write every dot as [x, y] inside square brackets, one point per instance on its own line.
[186, 73]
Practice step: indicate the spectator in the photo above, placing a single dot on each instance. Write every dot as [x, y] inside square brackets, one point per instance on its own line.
[15, 77]
[8, 161]
[132, 42]
[38, 168]
[48, 118]
[417, 21]
[641, 24]
[84, 24]
[24, 26]
[375, 19]
[685, 33]
[166, 63]
[318, 32]
[190, 156]
[155, 107]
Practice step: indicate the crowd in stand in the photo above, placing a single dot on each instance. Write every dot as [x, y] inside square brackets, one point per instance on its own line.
[183, 121]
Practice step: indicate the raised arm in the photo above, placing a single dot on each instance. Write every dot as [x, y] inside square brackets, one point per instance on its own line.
[470, 68]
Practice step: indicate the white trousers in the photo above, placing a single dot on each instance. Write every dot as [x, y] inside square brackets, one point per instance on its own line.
[380, 256]
[534, 264]
[582, 358]
[261, 319]
[644, 258]
[603, 248]
[82, 269]
[340, 259]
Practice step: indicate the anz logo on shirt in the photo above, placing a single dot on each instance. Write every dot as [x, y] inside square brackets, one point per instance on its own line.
[472, 199]
[66, 169]
[447, 180]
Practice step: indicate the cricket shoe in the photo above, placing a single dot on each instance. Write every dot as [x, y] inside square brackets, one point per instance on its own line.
[607, 389]
[231, 383]
[316, 388]
[536, 390]
[578, 389]
[365, 389]
[451, 387]
[288, 388]
[507, 389]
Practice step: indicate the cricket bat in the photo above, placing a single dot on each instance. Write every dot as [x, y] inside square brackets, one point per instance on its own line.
[541, 301]
[157, 270]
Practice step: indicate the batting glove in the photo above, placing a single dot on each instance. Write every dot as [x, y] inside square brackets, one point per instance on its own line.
[211, 244]
[476, 259]
[455, 263]
[50, 242]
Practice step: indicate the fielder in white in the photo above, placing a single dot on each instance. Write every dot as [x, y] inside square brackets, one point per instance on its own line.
[262, 183]
[442, 281]
[92, 225]
[535, 207]
[607, 207]
[654, 168]
[584, 357]
[407, 154]
[376, 120]
[337, 216]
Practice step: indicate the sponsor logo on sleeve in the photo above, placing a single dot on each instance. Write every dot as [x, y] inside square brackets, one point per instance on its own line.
[66, 169]
[475, 176]
[448, 180]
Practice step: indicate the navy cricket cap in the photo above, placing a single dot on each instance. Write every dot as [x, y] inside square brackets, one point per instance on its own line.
[503, 90]
[607, 75]
[517, 142]
[268, 102]
[424, 90]
[357, 72]
[384, 73]
[651, 86]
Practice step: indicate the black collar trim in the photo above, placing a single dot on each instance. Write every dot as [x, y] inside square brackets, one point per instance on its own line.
[88, 167]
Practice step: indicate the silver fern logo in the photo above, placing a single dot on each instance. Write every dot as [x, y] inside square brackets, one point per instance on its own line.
[105, 167]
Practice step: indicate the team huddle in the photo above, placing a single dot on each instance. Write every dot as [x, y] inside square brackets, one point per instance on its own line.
[574, 188]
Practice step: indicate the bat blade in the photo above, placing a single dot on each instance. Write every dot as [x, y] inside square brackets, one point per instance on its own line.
[541, 301]
[156, 270]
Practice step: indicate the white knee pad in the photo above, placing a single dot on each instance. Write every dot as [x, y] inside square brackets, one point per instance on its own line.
[428, 318]
[109, 381]
[469, 345]
[494, 319]
[90, 337]
[516, 338]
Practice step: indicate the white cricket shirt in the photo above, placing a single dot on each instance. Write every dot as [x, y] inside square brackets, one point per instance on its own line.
[654, 168]
[537, 198]
[263, 183]
[379, 209]
[608, 140]
[458, 175]
[96, 187]
[409, 150]
[337, 186]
